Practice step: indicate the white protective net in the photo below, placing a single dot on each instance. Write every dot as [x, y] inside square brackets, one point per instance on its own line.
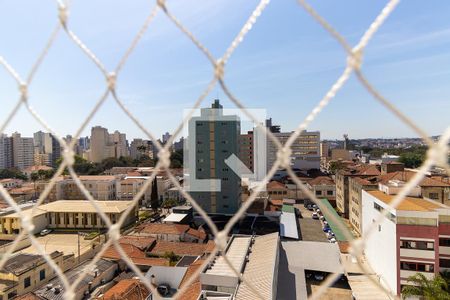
[436, 155]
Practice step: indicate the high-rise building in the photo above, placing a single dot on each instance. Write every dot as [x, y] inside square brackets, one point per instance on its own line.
[47, 149]
[246, 149]
[99, 144]
[214, 137]
[165, 137]
[140, 147]
[272, 128]
[6, 155]
[104, 145]
[305, 150]
[22, 151]
[119, 142]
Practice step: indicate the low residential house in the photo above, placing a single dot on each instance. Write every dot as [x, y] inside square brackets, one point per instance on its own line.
[23, 273]
[102, 272]
[277, 190]
[323, 187]
[35, 169]
[101, 187]
[434, 189]
[135, 249]
[171, 232]
[126, 289]
[24, 193]
[79, 214]
[10, 183]
[128, 188]
[182, 248]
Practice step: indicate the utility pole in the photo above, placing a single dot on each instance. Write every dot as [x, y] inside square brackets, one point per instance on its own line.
[78, 234]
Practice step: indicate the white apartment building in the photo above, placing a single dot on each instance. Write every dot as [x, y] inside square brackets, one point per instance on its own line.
[415, 237]
[22, 151]
[305, 150]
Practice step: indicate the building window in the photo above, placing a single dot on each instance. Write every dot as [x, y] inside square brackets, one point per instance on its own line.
[444, 263]
[27, 282]
[42, 274]
[444, 242]
[12, 294]
[419, 245]
[377, 207]
[330, 193]
[434, 196]
[419, 267]
[318, 193]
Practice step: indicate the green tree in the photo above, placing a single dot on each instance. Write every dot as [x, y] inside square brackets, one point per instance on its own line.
[172, 257]
[34, 177]
[335, 166]
[412, 159]
[429, 289]
[12, 173]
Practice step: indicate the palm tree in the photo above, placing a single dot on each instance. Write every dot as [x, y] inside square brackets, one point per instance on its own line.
[34, 177]
[428, 289]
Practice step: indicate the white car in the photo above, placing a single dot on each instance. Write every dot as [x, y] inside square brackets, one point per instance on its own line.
[315, 216]
[45, 232]
[333, 240]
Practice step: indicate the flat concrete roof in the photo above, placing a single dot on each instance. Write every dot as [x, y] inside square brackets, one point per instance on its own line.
[316, 256]
[174, 217]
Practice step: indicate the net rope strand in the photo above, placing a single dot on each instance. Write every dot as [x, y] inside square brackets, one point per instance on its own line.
[436, 154]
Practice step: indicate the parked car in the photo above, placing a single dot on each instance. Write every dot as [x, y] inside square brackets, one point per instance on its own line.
[45, 232]
[322, 218]
[309, 207]
[326, 229]
[315, 216]
[333, 240]
[325, 223]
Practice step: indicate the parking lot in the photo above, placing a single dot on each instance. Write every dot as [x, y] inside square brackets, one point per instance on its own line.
[310, 229]
[65, 242]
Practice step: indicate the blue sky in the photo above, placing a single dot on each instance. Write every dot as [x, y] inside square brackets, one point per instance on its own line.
[285, 64]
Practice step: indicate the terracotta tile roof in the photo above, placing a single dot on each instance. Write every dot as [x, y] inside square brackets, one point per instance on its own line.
[197, 233]
[408, 203]
[127, 289]
[162, 228]
[142, 242]
[210, 245]
[193, 291]
[97, 177]
[134, 173]
[28, 296]
[37, 168]
[276, 202]
[408, 175]
[275, 185]
[321, 180]
[361, 170]
[363, 181]
[179, 248]
[138, 256]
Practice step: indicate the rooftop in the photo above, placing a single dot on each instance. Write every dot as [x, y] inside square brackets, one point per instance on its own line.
[162, 228]
[408, 203]
[408, 175]
[23, 262]
[236, 252]
[130, 289]
[321, 180]
[260, 270]
[179, 248]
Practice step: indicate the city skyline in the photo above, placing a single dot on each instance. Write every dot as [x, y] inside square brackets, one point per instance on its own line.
[285, 65]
